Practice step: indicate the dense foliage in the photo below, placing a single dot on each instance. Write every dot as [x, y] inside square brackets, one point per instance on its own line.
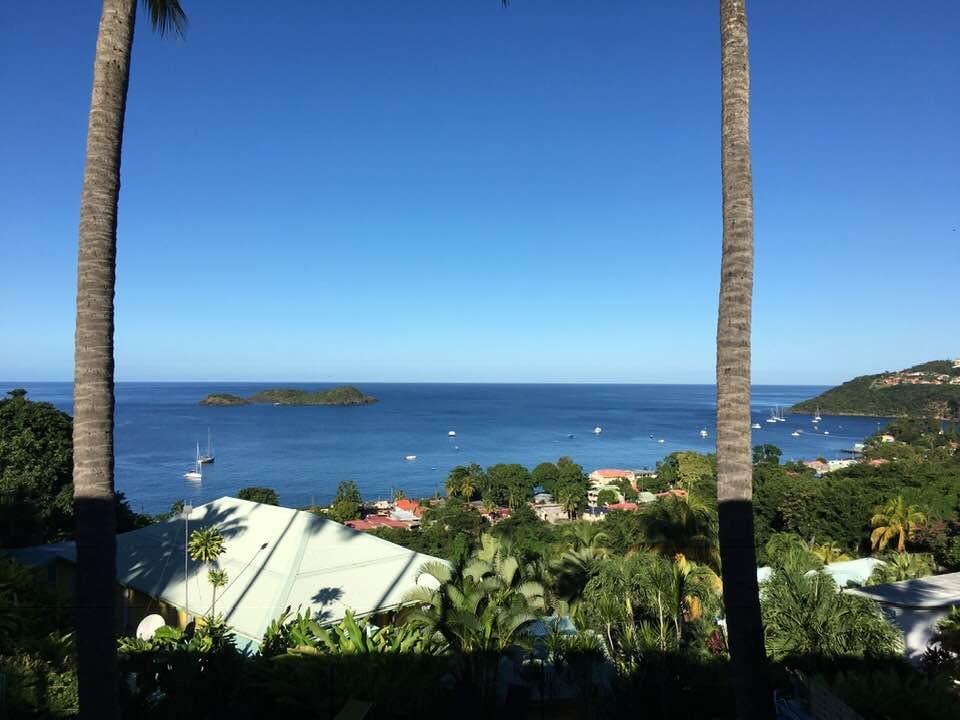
[264, 495]
[36, 475]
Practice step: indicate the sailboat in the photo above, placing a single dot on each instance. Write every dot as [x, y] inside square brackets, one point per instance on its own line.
[780, 417]
[209, 457]
[773, 417]
[197, 472]
[817, 418]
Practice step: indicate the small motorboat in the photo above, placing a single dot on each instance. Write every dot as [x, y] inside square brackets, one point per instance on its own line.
[411, 458]
[661, 441]
[826, 432]
[452, 433]
[597, 430]
[795, 433]
[756, 426]
[703, 433]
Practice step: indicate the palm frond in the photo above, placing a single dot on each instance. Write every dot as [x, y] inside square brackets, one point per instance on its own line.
[166, 15]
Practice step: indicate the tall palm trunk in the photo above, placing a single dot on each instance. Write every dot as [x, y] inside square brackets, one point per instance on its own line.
[93, 366]
[734, 469]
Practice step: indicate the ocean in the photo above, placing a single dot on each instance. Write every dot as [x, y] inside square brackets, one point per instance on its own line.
[303, 452]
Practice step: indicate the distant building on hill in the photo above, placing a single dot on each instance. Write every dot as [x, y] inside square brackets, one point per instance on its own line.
[956, 364]
[606, 476]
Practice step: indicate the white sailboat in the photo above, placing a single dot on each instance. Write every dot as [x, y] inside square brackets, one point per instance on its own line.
[197, 472]
[209, 457]
[780, 417]
[773, 417]
[817, 418]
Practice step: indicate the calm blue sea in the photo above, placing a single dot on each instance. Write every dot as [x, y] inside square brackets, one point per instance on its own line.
[303, 452]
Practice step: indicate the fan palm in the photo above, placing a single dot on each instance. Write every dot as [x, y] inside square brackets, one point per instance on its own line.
[897, 520]
[93, 399]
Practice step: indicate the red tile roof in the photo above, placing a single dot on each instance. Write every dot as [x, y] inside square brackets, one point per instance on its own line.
[623, 506]
[410, 506]
[612, 473]
[375, 521]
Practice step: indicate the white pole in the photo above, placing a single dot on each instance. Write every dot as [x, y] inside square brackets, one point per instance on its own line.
[187, 509]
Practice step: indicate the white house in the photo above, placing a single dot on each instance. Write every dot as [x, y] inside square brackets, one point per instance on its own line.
[275, 557]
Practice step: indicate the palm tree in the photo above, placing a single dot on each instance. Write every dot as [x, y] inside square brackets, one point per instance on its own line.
[217, 579]
[896, 519]
[206, 544]
[479, 610]
[806, 617]
[675, 526]
[734, 470]
[828, 552]
[93, 398]
[902, 566]
[583, 535]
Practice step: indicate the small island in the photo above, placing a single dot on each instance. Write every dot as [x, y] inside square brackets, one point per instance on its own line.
[929, 390]
[342, 395]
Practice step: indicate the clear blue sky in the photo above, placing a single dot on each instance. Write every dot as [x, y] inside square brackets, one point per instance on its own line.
[449, 191]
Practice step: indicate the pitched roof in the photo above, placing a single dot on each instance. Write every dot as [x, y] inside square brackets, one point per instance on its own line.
[274, 557]
[612, 473]
[935, 591]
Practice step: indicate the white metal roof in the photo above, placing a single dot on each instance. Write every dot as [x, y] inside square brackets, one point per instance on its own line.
[274, 557]
[935, 591]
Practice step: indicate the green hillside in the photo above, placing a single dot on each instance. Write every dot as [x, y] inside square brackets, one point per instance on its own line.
[926, 390]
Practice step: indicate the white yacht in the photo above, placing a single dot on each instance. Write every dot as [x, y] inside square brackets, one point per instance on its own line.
[452, 433]
[755, 426]
[197, 472]
[597, 430]
[410, 457]
[703, 433]
[795, 433]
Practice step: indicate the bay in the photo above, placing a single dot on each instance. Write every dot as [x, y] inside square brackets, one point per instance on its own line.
[303, 452]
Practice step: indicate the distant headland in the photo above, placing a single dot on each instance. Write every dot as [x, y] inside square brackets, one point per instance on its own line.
[931, 390]
[342, 395]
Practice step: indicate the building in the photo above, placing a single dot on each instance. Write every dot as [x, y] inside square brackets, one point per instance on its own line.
[275, 558]
[915, 607]
[549, 512]
[956, 364]
[607, 476]
[887, 438]
[820, 467]
[374, 522]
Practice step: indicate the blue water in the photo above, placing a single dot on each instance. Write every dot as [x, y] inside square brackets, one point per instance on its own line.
[303, 452]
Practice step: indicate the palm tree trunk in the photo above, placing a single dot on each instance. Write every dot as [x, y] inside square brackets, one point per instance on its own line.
[734, 468]
[93, 367]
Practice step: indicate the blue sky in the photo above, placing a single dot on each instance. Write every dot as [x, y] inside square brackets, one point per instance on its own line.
[453, 192]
